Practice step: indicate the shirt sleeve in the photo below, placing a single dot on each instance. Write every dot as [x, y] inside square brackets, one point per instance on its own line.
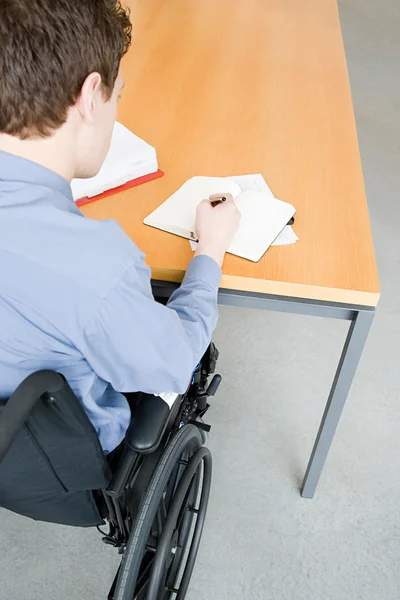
[137, 344]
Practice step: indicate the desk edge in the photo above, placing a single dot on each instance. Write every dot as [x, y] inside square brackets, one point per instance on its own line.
[280, 288]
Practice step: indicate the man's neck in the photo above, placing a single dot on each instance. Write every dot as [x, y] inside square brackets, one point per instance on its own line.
[50, 152]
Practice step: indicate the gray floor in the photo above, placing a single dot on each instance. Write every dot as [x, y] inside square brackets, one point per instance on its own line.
[262, 541]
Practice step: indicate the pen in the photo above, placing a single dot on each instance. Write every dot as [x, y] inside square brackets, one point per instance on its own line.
[213, 202]
[216, 201]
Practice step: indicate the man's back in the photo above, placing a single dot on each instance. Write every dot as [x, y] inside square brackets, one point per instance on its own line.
[55, 269]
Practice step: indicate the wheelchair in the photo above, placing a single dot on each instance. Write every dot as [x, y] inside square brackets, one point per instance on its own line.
[151, 493]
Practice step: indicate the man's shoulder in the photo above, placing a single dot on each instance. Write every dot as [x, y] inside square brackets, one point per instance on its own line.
[54, 240]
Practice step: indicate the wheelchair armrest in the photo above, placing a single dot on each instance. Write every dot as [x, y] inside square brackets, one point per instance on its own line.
[148, 423]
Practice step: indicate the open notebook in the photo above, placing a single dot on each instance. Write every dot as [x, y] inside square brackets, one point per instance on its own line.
[130, 161]
[263, 216]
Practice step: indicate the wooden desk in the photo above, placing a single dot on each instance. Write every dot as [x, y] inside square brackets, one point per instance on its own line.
[248, 86]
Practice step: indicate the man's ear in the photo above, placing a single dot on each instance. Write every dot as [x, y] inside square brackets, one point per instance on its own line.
[90, 97]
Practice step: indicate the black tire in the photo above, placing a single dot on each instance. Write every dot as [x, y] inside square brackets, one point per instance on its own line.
[186, 444]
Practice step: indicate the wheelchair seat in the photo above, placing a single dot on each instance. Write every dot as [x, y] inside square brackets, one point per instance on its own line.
[152, 491]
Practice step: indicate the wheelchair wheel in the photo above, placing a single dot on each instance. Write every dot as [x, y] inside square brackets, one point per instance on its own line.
[165, 537]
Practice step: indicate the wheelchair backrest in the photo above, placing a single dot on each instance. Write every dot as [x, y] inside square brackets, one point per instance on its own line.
[50, 456]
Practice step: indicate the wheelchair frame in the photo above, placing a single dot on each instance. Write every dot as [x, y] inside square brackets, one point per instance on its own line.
[187, 491]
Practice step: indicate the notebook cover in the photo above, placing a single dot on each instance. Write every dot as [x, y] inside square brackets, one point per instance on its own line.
[120, 188]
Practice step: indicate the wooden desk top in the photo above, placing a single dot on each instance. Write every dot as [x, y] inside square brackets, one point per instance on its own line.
[251, 86]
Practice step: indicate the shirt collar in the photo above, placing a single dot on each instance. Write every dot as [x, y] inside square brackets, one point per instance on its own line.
[16, 169]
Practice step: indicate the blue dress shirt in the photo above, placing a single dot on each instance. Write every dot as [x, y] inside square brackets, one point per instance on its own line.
[75, 297]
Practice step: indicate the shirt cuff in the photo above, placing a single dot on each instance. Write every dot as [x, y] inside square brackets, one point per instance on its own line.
[204, 268]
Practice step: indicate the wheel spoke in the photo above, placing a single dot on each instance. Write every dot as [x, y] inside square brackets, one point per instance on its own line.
[143, 579]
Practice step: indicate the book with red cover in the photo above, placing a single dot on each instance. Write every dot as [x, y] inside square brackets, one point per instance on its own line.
[120, 188]
[130, 161]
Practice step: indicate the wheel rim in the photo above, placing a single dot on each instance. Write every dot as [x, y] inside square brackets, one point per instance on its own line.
[181, 515]
[158, 524]
[186, 520]
[137, 559]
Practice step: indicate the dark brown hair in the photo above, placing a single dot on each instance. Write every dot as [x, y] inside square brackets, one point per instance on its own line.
[47, 49]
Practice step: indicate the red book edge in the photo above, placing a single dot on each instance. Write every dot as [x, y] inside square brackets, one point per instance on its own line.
[121, 188]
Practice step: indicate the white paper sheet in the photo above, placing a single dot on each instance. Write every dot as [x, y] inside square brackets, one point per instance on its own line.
[168, 397]
[252, 183]
[256, 183]
[287, 236]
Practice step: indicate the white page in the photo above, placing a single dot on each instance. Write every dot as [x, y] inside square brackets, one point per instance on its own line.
[128, 157]
[177, 214]
[257, 183]
[263, 217]
[252, 183]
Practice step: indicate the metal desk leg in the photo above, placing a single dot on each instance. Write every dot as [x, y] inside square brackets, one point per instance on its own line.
[353, 347]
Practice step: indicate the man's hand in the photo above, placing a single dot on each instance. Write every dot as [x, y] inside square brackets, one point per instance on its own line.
[216, 227]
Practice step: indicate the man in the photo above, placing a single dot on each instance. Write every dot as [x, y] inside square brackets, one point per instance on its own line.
[75, 294]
